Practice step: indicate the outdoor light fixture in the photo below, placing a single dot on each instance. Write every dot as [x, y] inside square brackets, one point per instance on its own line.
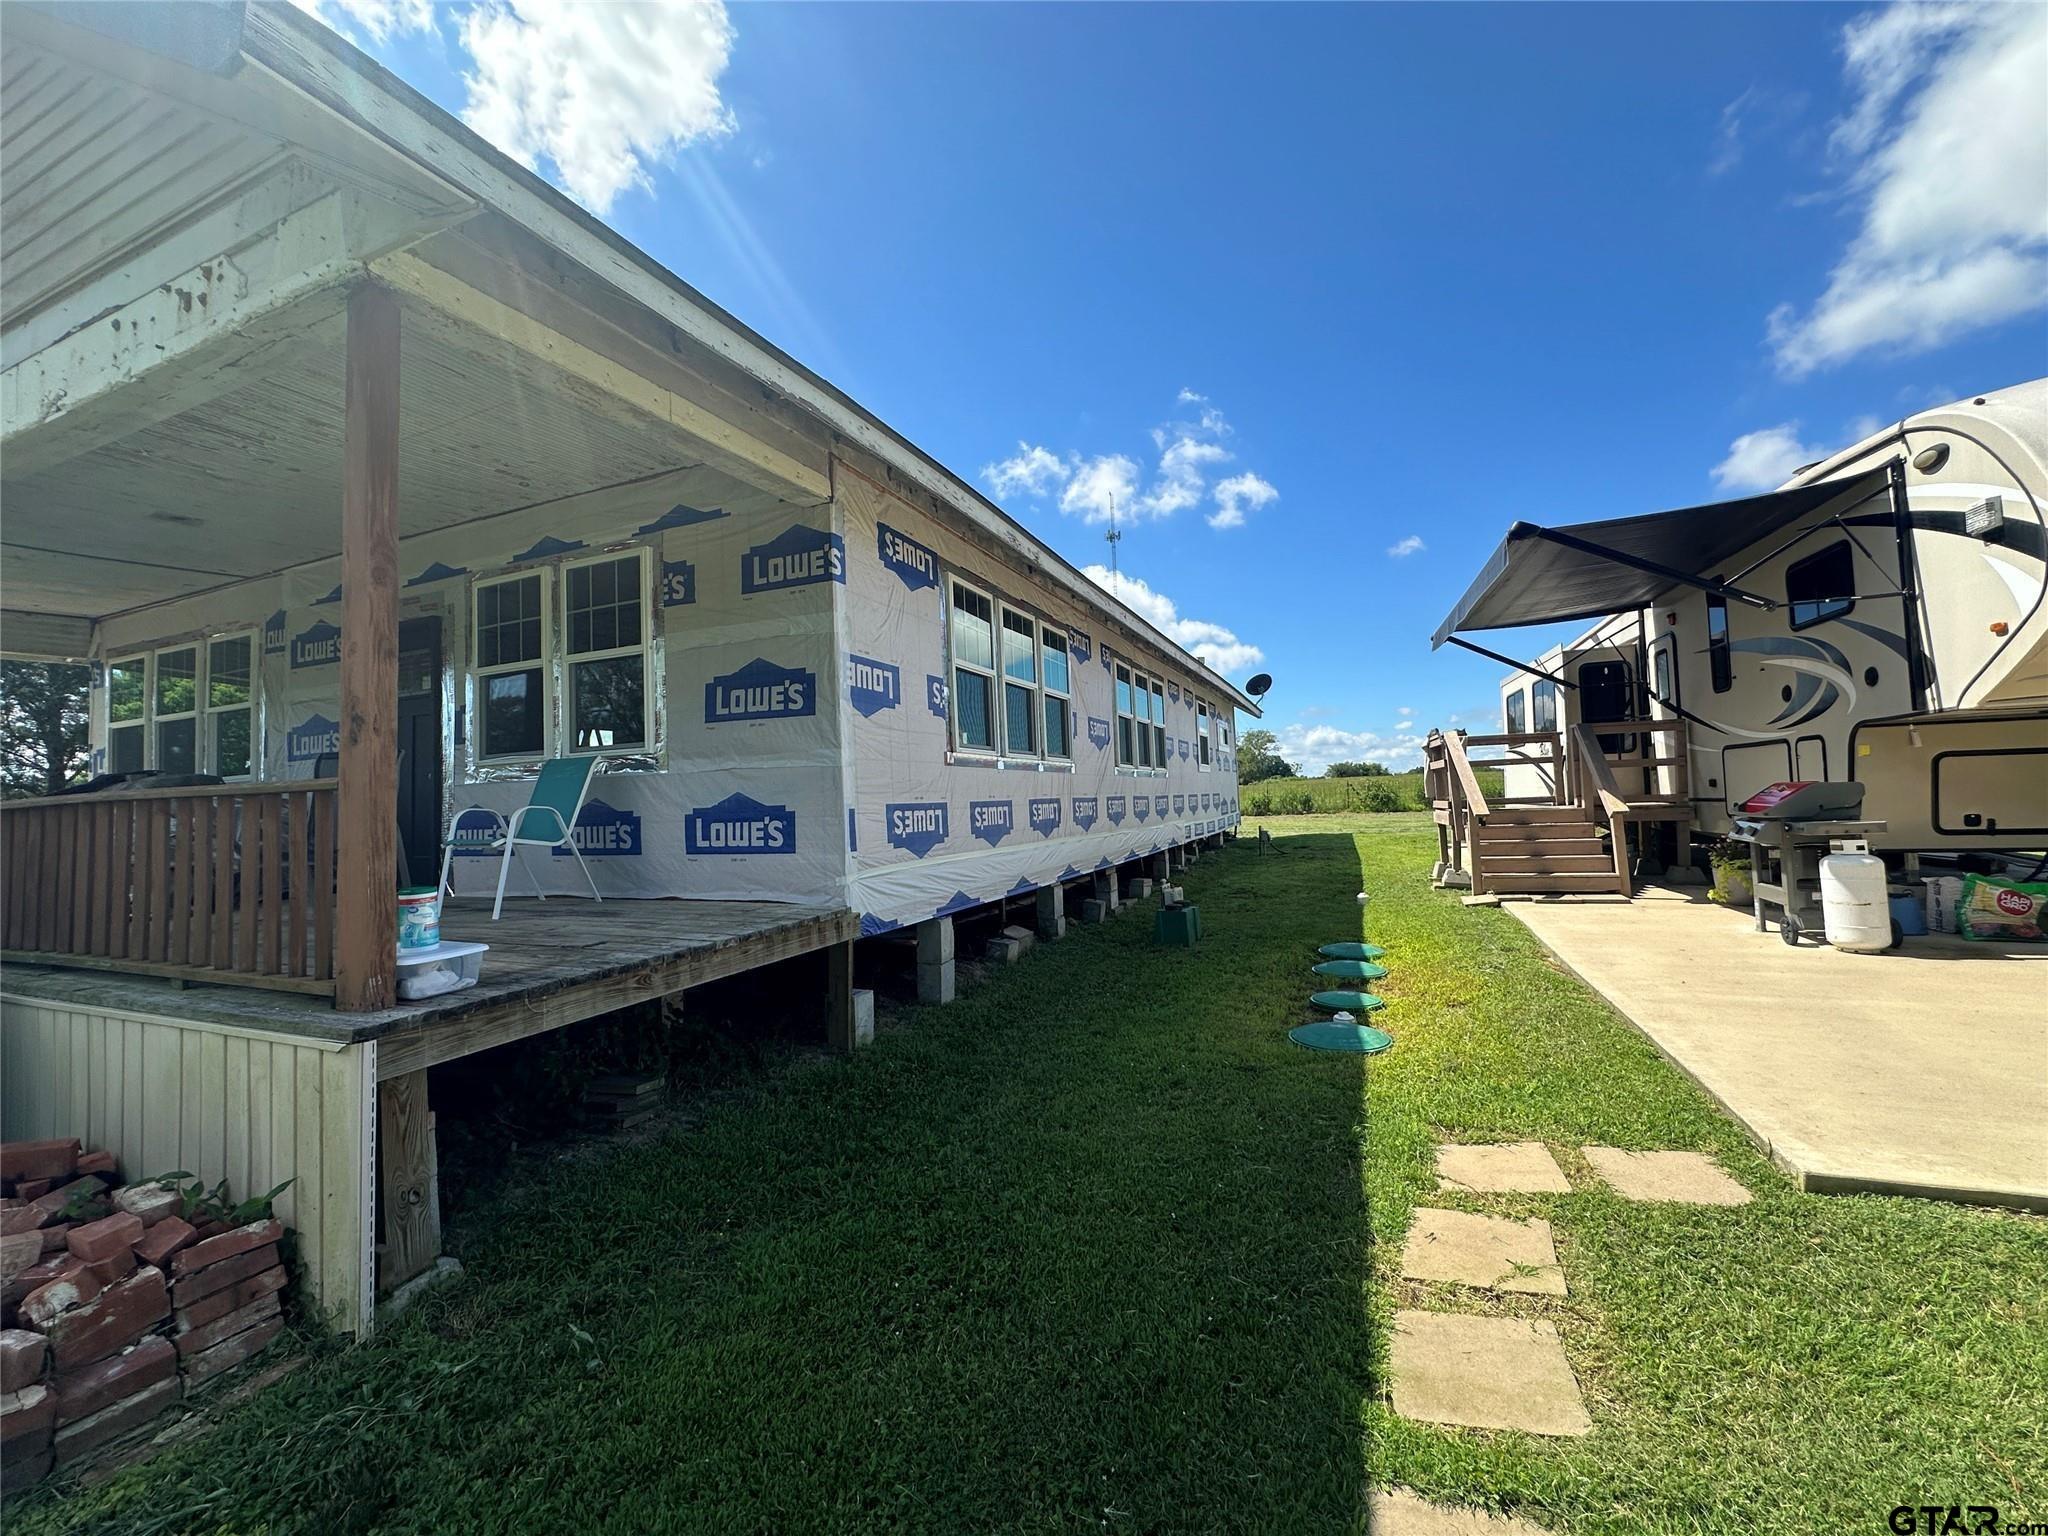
[1928, 460]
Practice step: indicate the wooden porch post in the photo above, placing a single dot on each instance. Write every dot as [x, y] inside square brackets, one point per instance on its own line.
[366, 913]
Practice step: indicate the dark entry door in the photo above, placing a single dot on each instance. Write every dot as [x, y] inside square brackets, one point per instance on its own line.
[419, 747]
[1607, 692]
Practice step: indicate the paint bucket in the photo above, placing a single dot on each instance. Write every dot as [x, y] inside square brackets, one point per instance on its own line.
[419, 917]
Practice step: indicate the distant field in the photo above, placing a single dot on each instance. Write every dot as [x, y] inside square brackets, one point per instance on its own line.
[1304, 797]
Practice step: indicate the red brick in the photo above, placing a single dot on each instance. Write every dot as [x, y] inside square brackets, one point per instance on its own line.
[60, 1197]
[226, 1246]
[56, 1239]
[23, 1354]
[187, 1289]
[105, 1238]
[105, 1382]
[57, 1266]
[98, 1162]
[152, 1202]
[24, 1218]
[260, 1310]
[73, 1286]
[39, 1159]
[19, 1251]
[209, 1227]
[34, 1189]
[110, 1424]
[119, 1267]
[163, 1239]
[220, 1303]
[27, 1414]
[117, 1316]
[209, 1363]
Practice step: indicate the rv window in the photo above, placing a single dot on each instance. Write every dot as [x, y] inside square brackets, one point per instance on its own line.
[1518, 713]
[604, 605]
[230, 702]
[1822, 586]
[510, 626]
[127, 704]
[974, 662]
[177, 710]
[1719, 659]
[1058, 719]
[1663, 664]
[1543, 705]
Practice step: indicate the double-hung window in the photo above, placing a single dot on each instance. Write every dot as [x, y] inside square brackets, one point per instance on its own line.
[974, 670]
[127, 713]
[175, 708]
[604, 612]
[1054, 665]
[1020, 684]
[1129, 738]
[1201, 736]
[188, 708]
[231, 704]
[1158, 724]
[510, 660]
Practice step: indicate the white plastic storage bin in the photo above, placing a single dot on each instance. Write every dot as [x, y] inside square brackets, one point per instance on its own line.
[438, 970]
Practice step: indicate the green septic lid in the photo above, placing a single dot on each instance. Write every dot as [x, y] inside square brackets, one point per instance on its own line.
[1347, 1002]
[1329, 1035]
[1351, 951]
[1351, 970]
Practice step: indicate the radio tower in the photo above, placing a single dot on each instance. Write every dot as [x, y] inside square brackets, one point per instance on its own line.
[1113, 538]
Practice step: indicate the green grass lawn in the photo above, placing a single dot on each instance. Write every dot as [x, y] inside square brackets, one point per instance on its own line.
[1095, 1247]
[1297, 797]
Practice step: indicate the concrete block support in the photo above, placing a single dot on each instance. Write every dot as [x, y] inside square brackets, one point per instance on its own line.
[935, 978]
[1052, 913]
[1106, 891]
[1141, 888]
[1093, 911]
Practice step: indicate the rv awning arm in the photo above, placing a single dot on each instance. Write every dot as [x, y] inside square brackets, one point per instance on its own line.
[1508, 661]
[1637, 562]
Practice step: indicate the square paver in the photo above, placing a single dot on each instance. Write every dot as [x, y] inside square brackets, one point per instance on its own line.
[1490, 1251]
[1684, 1177]
[1485, 1373]
[1511, 1168]
[1402, 1512]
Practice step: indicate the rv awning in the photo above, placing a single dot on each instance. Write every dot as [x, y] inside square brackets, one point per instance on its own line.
[1588, 570]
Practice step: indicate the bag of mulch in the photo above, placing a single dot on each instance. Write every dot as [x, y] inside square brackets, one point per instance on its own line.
[2002, 910]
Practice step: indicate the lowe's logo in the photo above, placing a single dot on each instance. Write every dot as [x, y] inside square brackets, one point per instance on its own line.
[1045, 816]
[1115, 810]
[761, 691]
[872, 685]
[799, 558]
[1084, 811]
[935, 695]
[604, 831]
[919, 827]
[273, 634]
[1180, 805]
[990, 820]
[1173, 692]
[1079, 645]
[678, 583]
[740, 824]
[1183, 749]
[312, 738]
[1098, 733]
[1141, 806]
[914, 565]
[319, 646]
[1159, 806]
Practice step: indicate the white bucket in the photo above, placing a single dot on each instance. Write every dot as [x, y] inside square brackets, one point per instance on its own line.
[1855, 903]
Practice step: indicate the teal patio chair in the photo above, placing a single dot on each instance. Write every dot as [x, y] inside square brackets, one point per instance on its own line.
[556, 802]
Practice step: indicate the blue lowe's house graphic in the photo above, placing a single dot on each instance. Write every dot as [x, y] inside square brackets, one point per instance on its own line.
[678, 583]
[311, 739]
[1141, 806]
[1084, 811]
[915, 566]
[1159, 805]
[1045, 816]
[603, 831]
[935, 695]
[1098, 733]
[273, 634]
[1115, 810]
[1079, 645]
[919, 826]
[873, 686]
[739, 824]
[1180, 805]
[318, 646]
[801, 557]
[991, 820]
[761, 690]
[678, 516]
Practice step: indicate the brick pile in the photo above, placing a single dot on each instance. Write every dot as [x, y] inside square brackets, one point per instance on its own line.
[108, 1319]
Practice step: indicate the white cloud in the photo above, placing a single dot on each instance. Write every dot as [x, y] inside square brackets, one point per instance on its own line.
[1765, 459]
[1183, 474]
[1189, 397]
[1409, 546]
[1315, 747]
[379, 20]
[1095, 485]
[1220, 647]
[1862, 427]
[1240, 494]
[1946, 149]
[1031, 471]
[1728, 141]
[1406, 709]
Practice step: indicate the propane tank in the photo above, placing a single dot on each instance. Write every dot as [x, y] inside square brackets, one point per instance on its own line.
[1854, 902]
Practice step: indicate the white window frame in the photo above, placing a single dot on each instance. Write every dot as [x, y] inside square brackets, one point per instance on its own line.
[159, 718]
[1159, 741]
[1004, 613]
[479, 674]
[991, 676]
[571, 659]
[1202, 754]
[1047, 693]
[208, 713]
[1131, 680]
[141, 724]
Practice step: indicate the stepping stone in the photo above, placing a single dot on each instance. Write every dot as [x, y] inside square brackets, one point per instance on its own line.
[1512, 1168]
[1687, 1178]
[1485, 1373]
[1400, 1512]
[1487, 1251]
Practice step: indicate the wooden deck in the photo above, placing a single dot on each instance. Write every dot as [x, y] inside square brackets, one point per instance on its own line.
[551, 963]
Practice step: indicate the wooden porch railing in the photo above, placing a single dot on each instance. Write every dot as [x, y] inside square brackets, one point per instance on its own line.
[229, 883]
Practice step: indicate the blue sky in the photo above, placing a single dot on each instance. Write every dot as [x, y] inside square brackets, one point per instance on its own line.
[1328, 295]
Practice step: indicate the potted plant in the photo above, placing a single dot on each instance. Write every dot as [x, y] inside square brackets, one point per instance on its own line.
[1731, 874]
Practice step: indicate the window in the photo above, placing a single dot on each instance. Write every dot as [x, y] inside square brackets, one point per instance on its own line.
[1822, 586]
[1663, 665]
[1053, 664]
[1543, 705]
[604, 610]
[230, 704]
[1518, 714]
[127, 708]
[974, 667]
[176, 710]
[511, 624]
[1719, 660]
[1140, 720]
[1158, 724]
[1126, 720]
[1201, 736]
[1020, 684]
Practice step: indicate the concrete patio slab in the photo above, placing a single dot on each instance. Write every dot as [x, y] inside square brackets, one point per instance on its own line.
[1402, 1512]
[1485, 1373]
[1491, 1252]
[1684, 1178]
[1511, 1168]
[1918, 1072]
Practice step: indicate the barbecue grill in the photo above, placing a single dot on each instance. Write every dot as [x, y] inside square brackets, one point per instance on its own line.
[1790, 827]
